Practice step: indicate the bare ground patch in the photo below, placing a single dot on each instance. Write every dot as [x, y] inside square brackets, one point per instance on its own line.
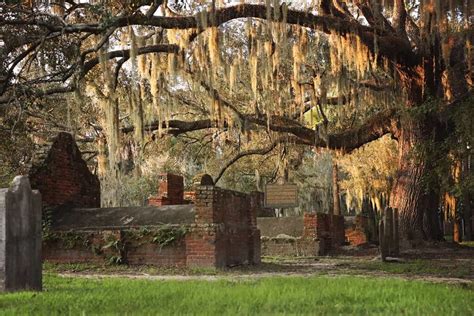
[439, 263]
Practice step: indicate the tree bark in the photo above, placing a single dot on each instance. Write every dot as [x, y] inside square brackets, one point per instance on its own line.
[335, 190]
[431, 217]
[407, 193]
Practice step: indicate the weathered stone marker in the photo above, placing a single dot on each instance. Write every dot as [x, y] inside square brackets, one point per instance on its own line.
[20, 237]
[389, 239]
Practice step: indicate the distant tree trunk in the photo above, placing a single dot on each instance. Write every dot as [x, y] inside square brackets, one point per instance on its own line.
[457, 232]
[431, 216]
[335, 190]
[467, 207]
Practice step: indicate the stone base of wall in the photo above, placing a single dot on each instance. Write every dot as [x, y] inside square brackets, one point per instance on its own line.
[296, 247]
[135, 247]
[313, 234]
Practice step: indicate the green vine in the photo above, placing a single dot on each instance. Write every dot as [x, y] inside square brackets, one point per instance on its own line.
[168, 234]
[47, 222]
[117, 247]
[110, 246]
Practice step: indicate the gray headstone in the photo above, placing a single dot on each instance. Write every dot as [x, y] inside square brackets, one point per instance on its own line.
[20, 237]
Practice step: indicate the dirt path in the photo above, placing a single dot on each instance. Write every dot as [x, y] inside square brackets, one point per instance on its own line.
[448, 265]
[243, 277]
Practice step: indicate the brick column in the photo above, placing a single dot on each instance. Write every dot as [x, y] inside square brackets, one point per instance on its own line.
[309, 225]
[337, 230]
[205, 243]
[256, 204]
[317, 227]
[170, 190]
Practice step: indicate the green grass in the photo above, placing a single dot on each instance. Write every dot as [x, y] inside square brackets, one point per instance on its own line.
[468, 243]
[418, 267]
[278, 295]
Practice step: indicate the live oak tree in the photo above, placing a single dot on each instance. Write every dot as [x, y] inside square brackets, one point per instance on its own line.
[366, 68]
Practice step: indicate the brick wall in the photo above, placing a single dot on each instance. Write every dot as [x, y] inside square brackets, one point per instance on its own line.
[317, 234]
[225, 231]
[362, 231]
[324, 226]
[62, 176]
[98, 246]
[296, 247]
[189, 196]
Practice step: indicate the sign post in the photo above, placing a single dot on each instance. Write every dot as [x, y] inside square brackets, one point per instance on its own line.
[281, 195]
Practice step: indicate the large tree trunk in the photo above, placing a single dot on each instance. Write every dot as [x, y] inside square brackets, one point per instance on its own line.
[417, 203]
[407, 193]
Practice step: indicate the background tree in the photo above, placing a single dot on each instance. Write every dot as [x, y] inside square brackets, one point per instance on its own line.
[367, 69]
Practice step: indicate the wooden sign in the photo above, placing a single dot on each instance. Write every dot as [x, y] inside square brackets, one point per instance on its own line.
[281, 195]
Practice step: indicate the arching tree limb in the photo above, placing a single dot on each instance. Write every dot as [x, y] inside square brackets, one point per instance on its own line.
[377, 126]
[125, 53]
[400, 18]
[257, 151]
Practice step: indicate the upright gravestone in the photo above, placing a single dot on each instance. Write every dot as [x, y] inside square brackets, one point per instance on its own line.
[20, 237]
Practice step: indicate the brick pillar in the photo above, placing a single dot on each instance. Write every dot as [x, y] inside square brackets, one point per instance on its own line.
[337, 230]
[323, 231]
[171, 186]
[205, 243]
[317, 227]
[309, 225]
[256, 204]
[170, 190]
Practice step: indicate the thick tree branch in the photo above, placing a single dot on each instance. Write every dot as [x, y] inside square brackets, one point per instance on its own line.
[125, 53]
[399, 18]
[373, 16]
[251, 152]
[377, 126]
[391, 47]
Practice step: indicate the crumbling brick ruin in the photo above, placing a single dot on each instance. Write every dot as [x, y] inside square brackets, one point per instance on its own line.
[360, 230]
[62, 177]
[312, 234]
[170, 191]
[207, 227]
[218, 230]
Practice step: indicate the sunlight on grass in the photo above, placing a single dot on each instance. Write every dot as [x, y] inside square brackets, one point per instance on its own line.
[468, 243]
[416, 267]
[314, 295]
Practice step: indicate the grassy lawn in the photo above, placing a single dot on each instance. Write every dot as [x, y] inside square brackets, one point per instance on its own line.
[419, 267]
[279, 295]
